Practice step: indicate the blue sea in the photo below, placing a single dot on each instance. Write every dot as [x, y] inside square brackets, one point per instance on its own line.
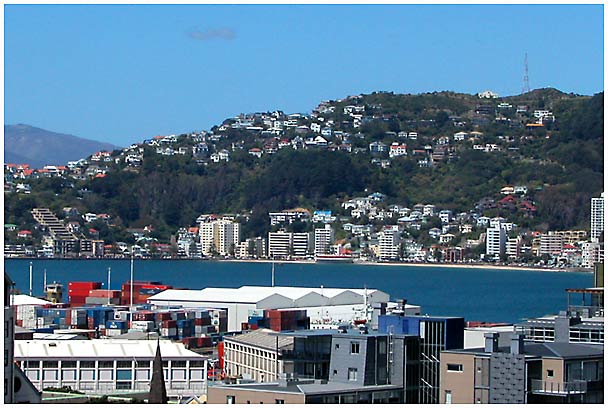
[489, 295]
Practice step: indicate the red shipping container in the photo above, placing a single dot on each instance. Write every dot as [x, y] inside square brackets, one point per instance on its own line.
[168, 324]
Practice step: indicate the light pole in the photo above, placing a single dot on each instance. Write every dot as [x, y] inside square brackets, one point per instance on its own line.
[108, 289]
[131, 303]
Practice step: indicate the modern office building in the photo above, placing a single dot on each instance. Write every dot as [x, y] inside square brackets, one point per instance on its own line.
[523, 372]
[597, 218]
[335, 366]
[436, 335]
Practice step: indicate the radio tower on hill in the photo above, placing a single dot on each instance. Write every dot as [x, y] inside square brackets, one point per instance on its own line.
[526, 87]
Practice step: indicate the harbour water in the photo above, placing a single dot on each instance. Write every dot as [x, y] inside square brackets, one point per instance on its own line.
[490, 295]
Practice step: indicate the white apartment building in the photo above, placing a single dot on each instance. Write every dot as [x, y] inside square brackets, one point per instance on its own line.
[324, 238]
[496, 239]
[220, 235]
[282, 244]
[551, 244]
[592, 252]
[388, 242]
[513, 247]
[597, 218]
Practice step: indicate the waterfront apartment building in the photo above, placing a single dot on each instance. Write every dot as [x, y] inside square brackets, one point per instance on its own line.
[513, 247]
[551, 244]
[388, 242]
[496, 239]
[219, 236]
[284, 245]
[592, 252]
[324, 238]
[597, 218]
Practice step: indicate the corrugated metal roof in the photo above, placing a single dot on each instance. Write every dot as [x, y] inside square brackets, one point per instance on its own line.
[263, 338]
[18, 300]
[100, 349]
[255, 294]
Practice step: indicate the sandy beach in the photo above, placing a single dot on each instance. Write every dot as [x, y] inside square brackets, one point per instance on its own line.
[420, 264]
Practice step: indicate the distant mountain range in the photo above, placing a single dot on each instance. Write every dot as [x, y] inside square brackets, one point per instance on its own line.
[39, 147]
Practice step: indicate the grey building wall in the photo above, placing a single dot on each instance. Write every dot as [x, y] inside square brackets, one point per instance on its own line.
[343, 358]
[507, 378]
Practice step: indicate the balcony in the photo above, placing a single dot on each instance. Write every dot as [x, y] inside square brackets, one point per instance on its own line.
[558, 388]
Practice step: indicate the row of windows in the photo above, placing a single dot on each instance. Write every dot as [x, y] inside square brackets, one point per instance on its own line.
[105, 364]
[108, 375]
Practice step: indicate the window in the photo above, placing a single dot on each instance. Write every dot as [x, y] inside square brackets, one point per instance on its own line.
[230, 399]
[335, 372]
[124, 375]
[354, 347]
[279, 401]
[123, 385]
[106, 364]
[68, 364]
[352, 374]
[124, 364]
[549, 373]
[448, 397]
[87, 364]
[178, 364]
[50, 364]
[455, 368]
[32, 364]
[337, 346]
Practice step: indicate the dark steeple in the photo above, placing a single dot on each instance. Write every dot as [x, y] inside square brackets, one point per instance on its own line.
[158, 392]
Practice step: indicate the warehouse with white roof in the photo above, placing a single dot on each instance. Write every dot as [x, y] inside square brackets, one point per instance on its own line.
[326, 304]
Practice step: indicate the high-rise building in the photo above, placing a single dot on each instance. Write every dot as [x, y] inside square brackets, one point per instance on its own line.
[219, 236]
[597, 218]
[388, 242]
[282, 244]
[324, 238]
[496, 239]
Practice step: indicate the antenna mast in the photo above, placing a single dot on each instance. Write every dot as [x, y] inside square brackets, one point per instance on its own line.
[526, 86]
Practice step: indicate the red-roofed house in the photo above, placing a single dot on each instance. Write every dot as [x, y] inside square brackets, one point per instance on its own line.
[24, 234]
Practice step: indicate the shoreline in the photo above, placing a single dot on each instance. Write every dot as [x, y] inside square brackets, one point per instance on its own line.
[364, 263]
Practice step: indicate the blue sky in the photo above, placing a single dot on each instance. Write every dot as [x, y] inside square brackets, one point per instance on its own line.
[125, 73]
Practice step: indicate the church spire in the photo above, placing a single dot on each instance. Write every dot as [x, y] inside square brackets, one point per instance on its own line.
[158, 392]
